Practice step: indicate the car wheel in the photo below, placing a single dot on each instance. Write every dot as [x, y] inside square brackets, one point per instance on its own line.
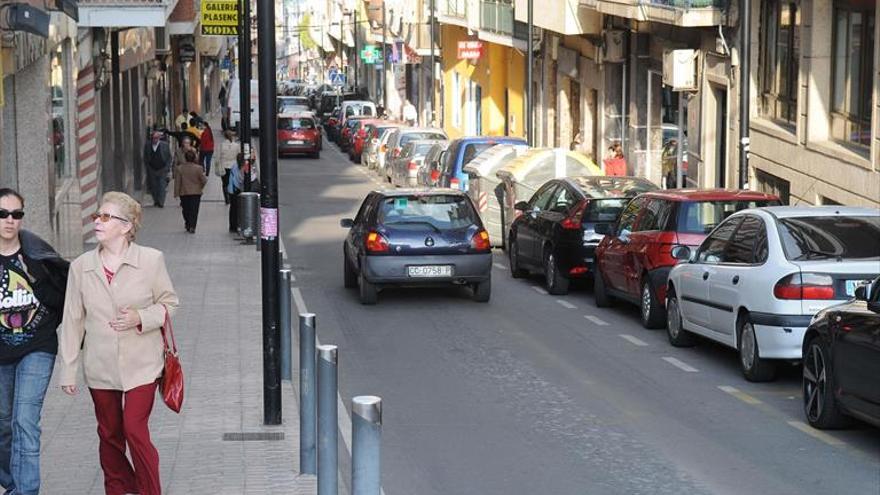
[556, 282]
[678, 336]
[350, 278]
[516, 271]
[754, 368]
[652, 313]
[600, 294]
[483, 291]
[820, 405]
[369, 294]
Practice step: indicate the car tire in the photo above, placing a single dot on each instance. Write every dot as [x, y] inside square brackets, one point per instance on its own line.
[368, 293]
[754, 368]
[600, 293]
[483, 291]
[820, 405]
[516, 271]
[678, 336]
[349, 277]
[649, 306]
[555, 282]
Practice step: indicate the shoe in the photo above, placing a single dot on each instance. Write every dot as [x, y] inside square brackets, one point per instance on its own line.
[160, 205]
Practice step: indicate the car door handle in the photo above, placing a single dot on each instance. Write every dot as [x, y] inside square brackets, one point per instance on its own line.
[705, 275]
[735, 279]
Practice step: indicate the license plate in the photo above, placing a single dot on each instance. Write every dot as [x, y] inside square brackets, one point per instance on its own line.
[852, 285]
[429, 271]
[296, 142]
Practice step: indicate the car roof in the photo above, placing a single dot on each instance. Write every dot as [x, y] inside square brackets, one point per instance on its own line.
[297, 115]
[601, 186]
[418, 191]
[425, 141]
[410, 130]
[819, 211]
[490, 139]
[709, 195]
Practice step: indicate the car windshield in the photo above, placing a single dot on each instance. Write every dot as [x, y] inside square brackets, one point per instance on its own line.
[605, 209]
[290, 124]
[422, 149]
[700, 217]
[471, 150]
[415, 136]
[441, 212]
[841, 237]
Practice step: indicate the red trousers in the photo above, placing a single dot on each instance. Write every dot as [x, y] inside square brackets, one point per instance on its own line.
[123, 418]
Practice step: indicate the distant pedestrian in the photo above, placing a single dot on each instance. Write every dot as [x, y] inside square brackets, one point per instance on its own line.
[226, 160]
[182, 120]
[118, 296]
[157, 158]
[34, 278]
[234, 187]
[614, 163]
[410, 114]
[189, 185]
[206, 147]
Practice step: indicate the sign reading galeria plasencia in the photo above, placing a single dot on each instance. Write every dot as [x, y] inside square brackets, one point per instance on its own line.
[220, 17]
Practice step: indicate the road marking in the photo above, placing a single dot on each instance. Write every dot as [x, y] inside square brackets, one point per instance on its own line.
[739, 394]
[499, 266]
[539, 290]
[298, 300]
[634, 340]
[597, 320]
[566, 304]
[818, 435]
[680, 365]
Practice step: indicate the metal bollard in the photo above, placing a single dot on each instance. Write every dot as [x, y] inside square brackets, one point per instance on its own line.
[307, 390]
[284, 296]
[366, 445]
[249, 215]
[328, 479]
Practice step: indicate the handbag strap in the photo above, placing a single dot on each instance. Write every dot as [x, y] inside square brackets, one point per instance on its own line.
[166, 327]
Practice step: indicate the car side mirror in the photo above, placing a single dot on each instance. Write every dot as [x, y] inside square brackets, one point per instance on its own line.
[861, 293]
[346, 223]
[624, 236]
[521, 206]
[604, 229]
[681, 253]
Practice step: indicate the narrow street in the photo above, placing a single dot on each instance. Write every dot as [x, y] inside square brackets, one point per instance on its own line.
[535, 393]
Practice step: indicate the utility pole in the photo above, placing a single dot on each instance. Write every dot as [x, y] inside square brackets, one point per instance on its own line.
[269, 254]
[357, 55]
[244, 88]
[745, 89]
[433, 61]
[384, 59]
[530, 48]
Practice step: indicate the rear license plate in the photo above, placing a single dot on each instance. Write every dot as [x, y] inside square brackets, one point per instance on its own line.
[852, 285]
[428, 271]
[293, 143]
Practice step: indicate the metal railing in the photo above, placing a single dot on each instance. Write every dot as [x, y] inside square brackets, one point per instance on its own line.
[456, 8]
[497, 16]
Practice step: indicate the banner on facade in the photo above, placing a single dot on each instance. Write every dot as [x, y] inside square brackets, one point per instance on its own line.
[470, 50]
[220, 18]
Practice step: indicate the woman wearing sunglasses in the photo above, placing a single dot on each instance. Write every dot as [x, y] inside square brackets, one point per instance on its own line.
[117, 298]
[33, 278]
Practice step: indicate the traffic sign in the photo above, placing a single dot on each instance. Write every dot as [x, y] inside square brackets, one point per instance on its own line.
[337, 79]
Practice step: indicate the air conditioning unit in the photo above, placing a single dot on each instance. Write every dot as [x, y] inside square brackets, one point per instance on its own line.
[163, 41]
[680, 69]
[613, 43]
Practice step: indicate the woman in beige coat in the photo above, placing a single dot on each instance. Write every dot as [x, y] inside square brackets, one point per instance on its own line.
[117, 298]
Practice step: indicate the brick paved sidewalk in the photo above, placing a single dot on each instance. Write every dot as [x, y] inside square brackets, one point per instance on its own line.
[218, 329]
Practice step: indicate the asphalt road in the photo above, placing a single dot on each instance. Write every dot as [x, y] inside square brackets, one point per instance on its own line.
[538, 394]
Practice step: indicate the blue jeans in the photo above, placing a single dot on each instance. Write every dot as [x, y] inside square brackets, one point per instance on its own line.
[22, 389]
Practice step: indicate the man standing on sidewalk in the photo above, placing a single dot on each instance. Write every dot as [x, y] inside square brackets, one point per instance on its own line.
[157, 158]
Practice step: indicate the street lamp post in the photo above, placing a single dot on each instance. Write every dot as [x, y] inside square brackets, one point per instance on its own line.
[530, 42]
[356, 54]
[433, 60]
[384, 59]
[244, 88]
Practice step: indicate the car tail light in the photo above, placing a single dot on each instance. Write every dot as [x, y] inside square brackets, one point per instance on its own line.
[805, 286]
[574, 220]
[412, 166]
[578, 270]
[377, 243]
[435, 175]
[480, 241]
[454, 183]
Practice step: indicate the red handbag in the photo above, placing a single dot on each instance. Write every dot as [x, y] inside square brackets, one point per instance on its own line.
[171, 382]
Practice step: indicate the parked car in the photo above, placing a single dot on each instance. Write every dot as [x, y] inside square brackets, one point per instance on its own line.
[634, 258]
[356, 108]
[293, 104]
[299, 133]
[842, 362]
[399, 137]
[347, 131]
[381, 151]
[409, 237]
[374, 147]
[429, 174]
[556, 233]
[761, 275]
[365, 131]
[461, 151]
[405, 168]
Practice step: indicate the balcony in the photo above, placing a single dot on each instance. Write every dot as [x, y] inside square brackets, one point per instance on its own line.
[455, 8]
[496, 16]
[568, 17]
[684, 13]
[124, 13]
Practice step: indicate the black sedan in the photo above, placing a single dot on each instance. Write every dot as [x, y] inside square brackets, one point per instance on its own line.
[842, 362]
[556, 232]
[409, 237]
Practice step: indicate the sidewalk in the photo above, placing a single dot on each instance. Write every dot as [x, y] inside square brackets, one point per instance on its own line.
[218, 330]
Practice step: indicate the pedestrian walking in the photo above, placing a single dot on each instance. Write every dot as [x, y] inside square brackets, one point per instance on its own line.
[206, 147]
[157, 158]
[226, 160]
[189, 185]
[118, 296]
[32, 281]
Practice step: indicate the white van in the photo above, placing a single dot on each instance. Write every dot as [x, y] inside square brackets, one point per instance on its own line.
[234, 98]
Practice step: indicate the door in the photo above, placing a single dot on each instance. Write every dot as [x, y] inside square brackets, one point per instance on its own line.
[616, 249]
[719, 129]
[645, 242]
[735, 276]
[525, 230]
[545, 224]
[856, 355]
[355, 239]
[696, 297]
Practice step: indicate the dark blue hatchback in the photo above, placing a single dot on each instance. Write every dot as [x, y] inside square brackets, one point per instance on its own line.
[415, 237]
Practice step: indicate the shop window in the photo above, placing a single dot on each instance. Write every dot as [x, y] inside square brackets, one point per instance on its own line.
[770, 184]
[780, 58]
[853, 57]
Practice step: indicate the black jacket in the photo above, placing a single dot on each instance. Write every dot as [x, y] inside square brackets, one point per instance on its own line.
[47, 268]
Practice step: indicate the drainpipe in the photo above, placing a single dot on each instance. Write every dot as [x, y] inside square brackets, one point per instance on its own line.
[530, 48]
[745, 90]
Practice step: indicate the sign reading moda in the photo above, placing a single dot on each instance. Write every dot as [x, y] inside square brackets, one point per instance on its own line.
[220, 18]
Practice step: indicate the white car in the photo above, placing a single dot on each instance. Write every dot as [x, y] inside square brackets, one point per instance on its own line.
[756, 281]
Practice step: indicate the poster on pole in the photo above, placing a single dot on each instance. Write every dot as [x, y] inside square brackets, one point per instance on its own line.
[220, 18]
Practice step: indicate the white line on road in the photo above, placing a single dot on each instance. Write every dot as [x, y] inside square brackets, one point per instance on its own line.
[680, 365]
[818, 435]
[499, 266]
[539, 290]
[634, 340]
[566, 304]
[597, 320]
[298, 300]
[739, 394]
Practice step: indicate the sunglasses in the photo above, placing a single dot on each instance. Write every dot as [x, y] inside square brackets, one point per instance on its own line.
[105, 217]
[16, 214]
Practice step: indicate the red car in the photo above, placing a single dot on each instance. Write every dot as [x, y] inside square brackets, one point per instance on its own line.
[367, 126]
[299, 134]
[634, 259]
